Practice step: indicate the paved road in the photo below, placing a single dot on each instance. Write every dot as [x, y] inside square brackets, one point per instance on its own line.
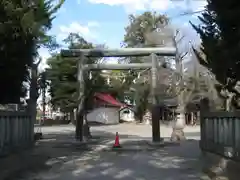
[169, 163]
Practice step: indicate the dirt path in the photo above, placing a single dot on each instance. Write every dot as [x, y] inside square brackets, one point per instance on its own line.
[59, 157]
[166, 163]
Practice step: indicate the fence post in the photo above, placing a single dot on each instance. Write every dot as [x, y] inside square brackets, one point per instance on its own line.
[204, 108]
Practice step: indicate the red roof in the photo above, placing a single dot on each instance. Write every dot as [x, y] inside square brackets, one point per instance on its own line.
[109, 99]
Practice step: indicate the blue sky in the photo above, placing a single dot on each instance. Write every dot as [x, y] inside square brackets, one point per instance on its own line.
[103, 21]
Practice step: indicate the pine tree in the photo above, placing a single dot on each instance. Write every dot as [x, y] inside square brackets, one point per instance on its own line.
[62, 73]
[219, 32]
[23, 28]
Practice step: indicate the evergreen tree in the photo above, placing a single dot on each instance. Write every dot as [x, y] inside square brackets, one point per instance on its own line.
[23, 28]
[219, 32]
[62, 73]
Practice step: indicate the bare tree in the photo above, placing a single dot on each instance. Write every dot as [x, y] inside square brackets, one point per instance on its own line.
[173, 82]
[182, 93]
[195, 84]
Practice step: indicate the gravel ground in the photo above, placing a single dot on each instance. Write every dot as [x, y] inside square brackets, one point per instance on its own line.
[59, 157]
[170, 163]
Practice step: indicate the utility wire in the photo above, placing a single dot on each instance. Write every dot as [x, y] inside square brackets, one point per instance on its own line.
[186, 14]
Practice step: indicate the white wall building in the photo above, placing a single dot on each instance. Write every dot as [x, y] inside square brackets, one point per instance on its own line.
[107, 110]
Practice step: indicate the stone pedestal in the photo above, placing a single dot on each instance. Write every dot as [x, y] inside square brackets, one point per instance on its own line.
[178, 126]
[177, 135]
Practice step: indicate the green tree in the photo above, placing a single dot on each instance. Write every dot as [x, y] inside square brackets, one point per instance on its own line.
[119, 83]
[219, 32]
[62, 73]
[23, 28]
[136, 36]
[63, 82]
[140, 25]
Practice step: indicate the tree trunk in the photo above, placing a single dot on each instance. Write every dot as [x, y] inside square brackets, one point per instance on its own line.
[44, 103]
[32, 104]
[140, 115]
[140, 119]
[82, 126]
[86, 129]
[79, 125]
[72, 118]
[178, 126]
[80, 119]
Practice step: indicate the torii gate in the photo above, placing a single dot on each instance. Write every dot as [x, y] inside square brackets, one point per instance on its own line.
[122, 52]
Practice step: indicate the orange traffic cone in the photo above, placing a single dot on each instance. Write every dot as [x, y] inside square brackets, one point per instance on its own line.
[117, 144]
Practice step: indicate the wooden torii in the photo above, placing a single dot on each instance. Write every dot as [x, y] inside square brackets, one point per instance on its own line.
[153, 52]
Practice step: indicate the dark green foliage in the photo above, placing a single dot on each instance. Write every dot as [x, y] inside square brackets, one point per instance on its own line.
[62, 73]
[220, 37]
[23, 28]
[142, 100]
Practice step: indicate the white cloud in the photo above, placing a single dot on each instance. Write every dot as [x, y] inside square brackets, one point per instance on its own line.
[86, 31]
[163, 5]
[130, 5]
[199, 5]
[160, 4]
[138, 3]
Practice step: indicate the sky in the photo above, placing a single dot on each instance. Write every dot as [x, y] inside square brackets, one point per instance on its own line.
[103, 21]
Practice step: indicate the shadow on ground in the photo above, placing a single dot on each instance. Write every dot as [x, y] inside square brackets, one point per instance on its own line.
[59, 157]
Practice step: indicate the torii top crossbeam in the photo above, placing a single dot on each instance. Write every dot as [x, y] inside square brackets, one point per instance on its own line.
[121, 52]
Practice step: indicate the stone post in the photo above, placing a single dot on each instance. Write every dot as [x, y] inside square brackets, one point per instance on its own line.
[155, 109]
